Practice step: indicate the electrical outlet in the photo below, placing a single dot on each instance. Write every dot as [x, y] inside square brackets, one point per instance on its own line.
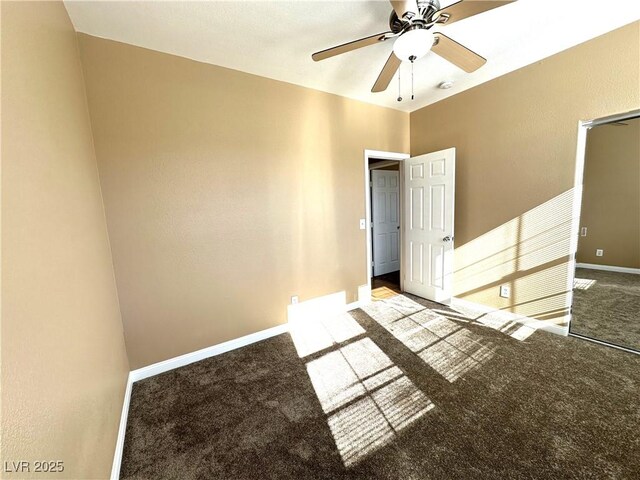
[583, 232]
[599, 252]
[505, 291]
[294, 299]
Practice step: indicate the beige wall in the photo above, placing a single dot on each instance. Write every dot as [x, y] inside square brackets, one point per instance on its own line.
[611, 196]
[64, 365]
[516, 142]
[225, 194]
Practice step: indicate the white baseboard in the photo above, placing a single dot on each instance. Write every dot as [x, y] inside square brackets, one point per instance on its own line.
[187, 358]
[329, 302]
[117, 456]
[170, 364]
[353, 306]
[608, 268]
[493, 314]
[364, 294]
[333, 303]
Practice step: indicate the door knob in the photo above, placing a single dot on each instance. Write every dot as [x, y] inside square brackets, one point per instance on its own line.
[448, 238]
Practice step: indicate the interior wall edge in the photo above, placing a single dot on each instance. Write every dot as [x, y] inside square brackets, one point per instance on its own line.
[64, 363]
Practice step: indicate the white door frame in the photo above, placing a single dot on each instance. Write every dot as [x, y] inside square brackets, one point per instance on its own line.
[377, 154]
[583, 128]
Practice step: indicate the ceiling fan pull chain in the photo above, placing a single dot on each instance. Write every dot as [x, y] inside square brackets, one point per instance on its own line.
[411, 79]
[399, 93]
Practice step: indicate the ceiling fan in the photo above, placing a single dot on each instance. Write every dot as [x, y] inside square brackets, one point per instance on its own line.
[410, 24]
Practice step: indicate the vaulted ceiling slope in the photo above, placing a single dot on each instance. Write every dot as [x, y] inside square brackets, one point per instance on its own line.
[275, 39]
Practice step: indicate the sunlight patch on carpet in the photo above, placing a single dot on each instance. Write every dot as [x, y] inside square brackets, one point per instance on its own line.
[314, 334]
[443, 344]
[367, 398]
[583, 283]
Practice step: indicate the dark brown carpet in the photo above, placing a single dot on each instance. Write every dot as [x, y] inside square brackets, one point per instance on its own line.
[404, 392]
[606, 306]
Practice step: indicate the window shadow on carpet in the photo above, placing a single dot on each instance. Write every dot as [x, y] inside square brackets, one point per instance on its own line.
[412, 389]
[366, 398]
[438, 336]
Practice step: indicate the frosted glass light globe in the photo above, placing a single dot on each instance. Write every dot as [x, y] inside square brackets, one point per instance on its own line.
[414, 43]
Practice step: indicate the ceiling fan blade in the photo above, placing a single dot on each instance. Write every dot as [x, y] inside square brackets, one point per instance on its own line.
[467, 8]
[388, 71]
[457, 54]
[347, 47]
[404, 7]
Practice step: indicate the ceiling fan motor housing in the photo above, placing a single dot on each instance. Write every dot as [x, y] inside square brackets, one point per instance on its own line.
[427, 9]
[410, 25]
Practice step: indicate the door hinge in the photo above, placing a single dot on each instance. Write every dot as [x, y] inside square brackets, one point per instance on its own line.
[373, 264]
[370, 184]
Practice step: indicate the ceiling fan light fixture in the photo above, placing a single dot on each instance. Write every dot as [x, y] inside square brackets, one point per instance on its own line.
[414, 43]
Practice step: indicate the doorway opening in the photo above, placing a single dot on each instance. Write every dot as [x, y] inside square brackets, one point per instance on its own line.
[604, 275]
[424, 225]
[383, 193]
[384, 185]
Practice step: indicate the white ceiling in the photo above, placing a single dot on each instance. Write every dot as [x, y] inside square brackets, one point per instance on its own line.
[275, 39]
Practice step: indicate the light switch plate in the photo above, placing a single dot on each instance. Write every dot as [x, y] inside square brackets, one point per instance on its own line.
[363, 224]
[294, 299]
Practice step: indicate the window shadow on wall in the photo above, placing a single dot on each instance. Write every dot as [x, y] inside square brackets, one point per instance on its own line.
[530, 254]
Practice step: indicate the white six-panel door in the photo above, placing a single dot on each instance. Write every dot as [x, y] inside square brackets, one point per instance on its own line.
[385, 191]
[428, 240]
